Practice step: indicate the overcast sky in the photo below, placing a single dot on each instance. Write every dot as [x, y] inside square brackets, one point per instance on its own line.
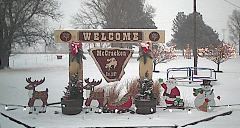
[215, 13]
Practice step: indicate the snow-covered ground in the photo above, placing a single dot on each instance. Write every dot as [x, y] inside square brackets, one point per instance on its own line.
[37, 66]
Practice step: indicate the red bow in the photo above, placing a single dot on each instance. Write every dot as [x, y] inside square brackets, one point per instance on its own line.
[75, 47]
[145, 47]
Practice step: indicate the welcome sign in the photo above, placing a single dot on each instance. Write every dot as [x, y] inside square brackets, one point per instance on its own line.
[110, 35]
[111, 61]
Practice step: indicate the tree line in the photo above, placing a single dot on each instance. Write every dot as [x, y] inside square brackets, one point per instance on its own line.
[22, 22]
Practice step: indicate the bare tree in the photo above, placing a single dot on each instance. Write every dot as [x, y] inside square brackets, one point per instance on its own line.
[89, 15]
[218, 54]
[114, 14]
[21, 22]
[162, 54]
[234, 28]
[123, 14]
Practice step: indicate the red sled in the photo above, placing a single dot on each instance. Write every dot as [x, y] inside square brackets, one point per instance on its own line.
[124, 104]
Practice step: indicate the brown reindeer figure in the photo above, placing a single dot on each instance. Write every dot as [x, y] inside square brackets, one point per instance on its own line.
[94, 95]
[36, 95]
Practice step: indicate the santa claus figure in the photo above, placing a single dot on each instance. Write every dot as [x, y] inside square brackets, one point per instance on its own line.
[172, 94]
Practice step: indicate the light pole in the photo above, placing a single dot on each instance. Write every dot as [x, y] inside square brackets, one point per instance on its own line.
[195, 57]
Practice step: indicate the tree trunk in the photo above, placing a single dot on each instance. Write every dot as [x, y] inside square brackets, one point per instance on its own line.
[4, 58]
[218, 68]
[239, 48]
[6, 40]
[239, 44]
[154, 67]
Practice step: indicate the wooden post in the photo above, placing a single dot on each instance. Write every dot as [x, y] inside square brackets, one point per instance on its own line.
[146, 63]
[75, 66]
[145, 70]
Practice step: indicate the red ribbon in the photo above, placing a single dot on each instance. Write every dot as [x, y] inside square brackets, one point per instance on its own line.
[75, 46]
[145, 47]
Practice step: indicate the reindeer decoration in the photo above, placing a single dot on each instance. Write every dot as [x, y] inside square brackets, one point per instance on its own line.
[94, 95]
[36, 95]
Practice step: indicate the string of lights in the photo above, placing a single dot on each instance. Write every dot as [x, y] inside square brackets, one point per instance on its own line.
[17, 106]
[10, 107]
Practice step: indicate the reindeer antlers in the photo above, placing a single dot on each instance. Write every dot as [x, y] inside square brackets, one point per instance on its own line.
[29, 80]
[35, 81]
[95, 83]
[40, 82]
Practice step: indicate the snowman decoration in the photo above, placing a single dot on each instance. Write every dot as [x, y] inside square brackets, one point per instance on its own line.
[171, 94]
[204, 97]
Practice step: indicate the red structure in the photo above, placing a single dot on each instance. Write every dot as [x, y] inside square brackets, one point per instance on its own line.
[124, 104]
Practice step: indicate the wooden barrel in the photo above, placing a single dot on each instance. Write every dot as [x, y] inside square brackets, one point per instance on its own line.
[145, 106]
[71, 106]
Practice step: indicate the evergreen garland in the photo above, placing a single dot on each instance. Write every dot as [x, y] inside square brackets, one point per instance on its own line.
[79, 56]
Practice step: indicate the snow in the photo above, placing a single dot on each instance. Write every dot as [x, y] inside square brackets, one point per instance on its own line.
[37, 66]
[112, 119]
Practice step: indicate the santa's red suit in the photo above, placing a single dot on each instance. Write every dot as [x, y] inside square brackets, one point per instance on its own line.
[171, 92]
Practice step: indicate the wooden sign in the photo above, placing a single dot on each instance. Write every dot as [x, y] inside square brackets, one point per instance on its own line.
[110, 35]
[111, 61]
[129, 36]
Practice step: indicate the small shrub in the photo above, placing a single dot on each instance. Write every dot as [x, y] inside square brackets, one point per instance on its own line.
[113, 93]
[133, 88]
